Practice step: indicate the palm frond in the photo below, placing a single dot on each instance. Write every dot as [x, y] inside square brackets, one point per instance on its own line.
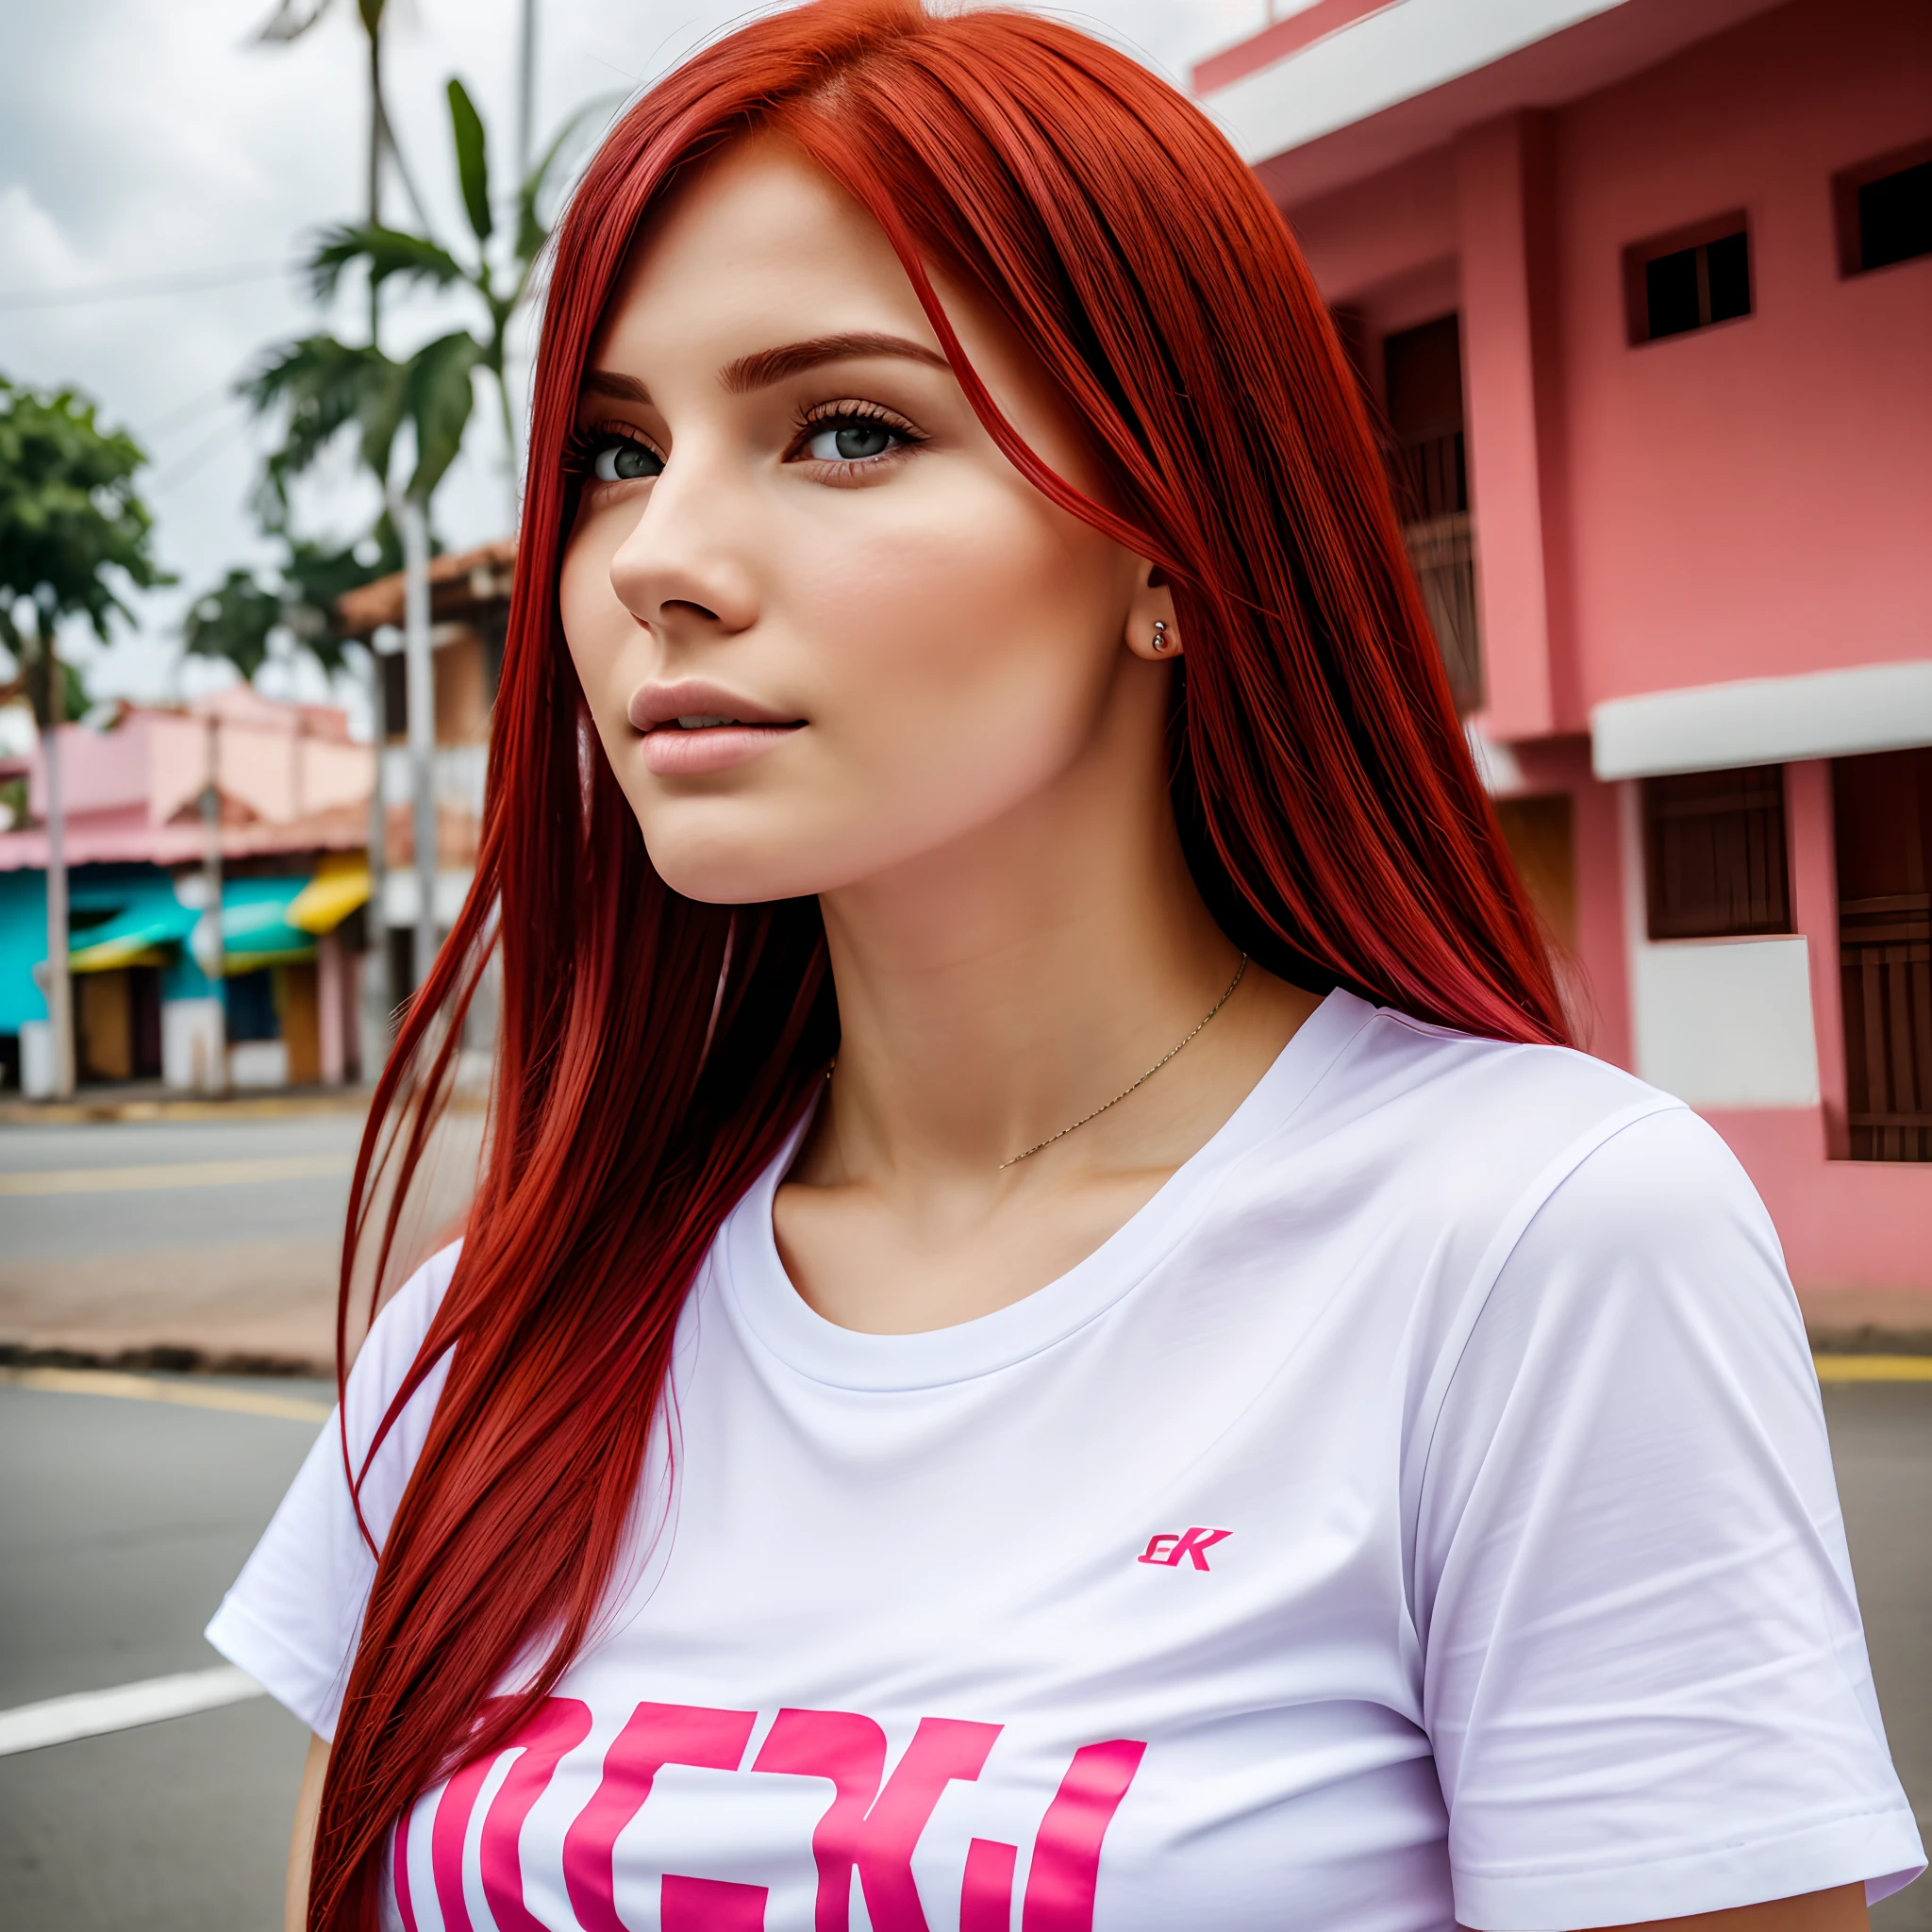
[439, 393]
[385, 251]
[291, 19]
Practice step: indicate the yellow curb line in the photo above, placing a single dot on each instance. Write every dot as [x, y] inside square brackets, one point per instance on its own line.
[291, 1408]
[173, 1174]
[1873, 1368]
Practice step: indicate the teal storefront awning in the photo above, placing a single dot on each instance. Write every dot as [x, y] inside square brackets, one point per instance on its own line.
[254, 928]
[137, 937]
[256, 931]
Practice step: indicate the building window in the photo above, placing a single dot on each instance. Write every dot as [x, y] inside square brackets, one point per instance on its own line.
[1884, 210]
[1422, 385]
[1714, 853]
[1882, 805]
[1688, 280]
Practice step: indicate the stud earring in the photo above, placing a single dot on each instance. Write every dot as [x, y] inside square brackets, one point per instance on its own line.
[1159, 637]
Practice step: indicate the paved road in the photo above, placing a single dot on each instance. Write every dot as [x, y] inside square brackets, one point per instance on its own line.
[122, 1522]
[221, 1236]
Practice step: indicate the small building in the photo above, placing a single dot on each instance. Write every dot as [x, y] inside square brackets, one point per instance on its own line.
[293, 792]
[1641, 292]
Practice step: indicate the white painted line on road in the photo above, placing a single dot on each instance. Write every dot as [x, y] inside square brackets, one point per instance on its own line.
[174, 1174]
[91, 1713]
[292, 1409]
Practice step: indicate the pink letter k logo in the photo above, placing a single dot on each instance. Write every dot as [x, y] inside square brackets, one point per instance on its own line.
[1192, 1543]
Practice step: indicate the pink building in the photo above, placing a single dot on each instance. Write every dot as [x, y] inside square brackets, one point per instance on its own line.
[294, 792]
[1643, 292]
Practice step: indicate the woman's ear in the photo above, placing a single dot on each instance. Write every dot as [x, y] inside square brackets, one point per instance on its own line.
[1152, 632]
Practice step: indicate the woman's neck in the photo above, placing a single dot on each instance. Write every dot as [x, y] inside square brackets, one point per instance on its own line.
[1005, 987]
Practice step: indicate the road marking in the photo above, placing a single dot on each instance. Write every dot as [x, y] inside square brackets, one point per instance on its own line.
[174, 1174]
[91, 1713]
[1873, 1368]
[293, 1409]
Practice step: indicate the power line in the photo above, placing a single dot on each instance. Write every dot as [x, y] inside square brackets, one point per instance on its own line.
[184, 284]
[184, 466]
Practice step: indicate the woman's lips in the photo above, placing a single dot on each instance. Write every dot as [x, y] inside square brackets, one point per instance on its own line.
[672, 751]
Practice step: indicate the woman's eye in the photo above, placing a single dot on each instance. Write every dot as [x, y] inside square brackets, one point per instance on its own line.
[624, 460]
[851, 442]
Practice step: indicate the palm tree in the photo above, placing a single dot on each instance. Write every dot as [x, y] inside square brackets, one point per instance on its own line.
[290, 20]
[321, 388]
[498, 276]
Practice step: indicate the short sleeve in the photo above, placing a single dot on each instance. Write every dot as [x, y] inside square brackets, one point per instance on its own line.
[293, 1615]
[1644, 1675]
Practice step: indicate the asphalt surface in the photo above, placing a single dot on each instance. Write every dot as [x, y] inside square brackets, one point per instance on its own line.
[137, 1221]
[220, 1236]
[121, 1525]
[122, 1522]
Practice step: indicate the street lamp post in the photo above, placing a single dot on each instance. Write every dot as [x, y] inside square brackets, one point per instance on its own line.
[378, 1002]
[213, 959]
[60, 980]
[420, 668]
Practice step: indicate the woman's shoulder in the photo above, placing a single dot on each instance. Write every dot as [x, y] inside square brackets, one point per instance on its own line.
[1441, 1148]
[1486, 1116]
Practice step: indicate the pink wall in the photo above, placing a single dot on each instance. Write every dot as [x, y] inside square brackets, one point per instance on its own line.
[1853, 1230]
[1597, 977]
[1373, 231]
[1750, 500]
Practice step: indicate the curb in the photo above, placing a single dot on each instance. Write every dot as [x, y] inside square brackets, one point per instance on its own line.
[163, 1359]
[68, 1113]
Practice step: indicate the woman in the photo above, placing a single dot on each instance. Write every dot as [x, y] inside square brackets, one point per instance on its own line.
[1050, 1335]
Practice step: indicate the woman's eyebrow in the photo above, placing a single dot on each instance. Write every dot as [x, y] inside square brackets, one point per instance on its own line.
[607, 382]
[774, 365]
[767, 366]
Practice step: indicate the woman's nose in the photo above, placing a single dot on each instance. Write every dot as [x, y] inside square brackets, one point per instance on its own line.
[684, 564]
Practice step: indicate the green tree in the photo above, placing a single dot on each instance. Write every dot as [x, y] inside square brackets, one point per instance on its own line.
[73, 536]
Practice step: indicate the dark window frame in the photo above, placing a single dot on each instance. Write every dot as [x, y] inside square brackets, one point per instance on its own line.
[1744, 817]
[1638, 256]
[1845, 185]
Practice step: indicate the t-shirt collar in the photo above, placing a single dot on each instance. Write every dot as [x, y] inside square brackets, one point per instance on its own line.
[777, 1317]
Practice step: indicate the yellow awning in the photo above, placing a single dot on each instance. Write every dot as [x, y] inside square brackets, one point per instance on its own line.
[341, 884]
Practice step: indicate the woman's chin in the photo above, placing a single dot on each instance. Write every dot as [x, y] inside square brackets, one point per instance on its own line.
[716, 875]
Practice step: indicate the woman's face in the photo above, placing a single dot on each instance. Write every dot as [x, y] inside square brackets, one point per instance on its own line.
[824, 627]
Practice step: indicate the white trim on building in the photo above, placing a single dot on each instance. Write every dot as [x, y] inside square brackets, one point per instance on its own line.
[1763, 721]
[1393, 55]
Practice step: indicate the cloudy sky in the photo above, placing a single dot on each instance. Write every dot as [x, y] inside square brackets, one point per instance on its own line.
[161, 170]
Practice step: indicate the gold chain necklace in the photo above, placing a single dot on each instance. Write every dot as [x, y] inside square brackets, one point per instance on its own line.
[1227, 995]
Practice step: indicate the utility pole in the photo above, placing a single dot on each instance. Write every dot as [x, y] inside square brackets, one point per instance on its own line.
[527, 95]
[60, 980]
[211, 953]
[378, 1003]
[413, 522]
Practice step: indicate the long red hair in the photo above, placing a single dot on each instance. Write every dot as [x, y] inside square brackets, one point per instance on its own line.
[653, 1051]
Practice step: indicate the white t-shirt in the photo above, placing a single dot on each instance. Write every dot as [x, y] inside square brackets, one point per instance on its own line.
[1420, 1512]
